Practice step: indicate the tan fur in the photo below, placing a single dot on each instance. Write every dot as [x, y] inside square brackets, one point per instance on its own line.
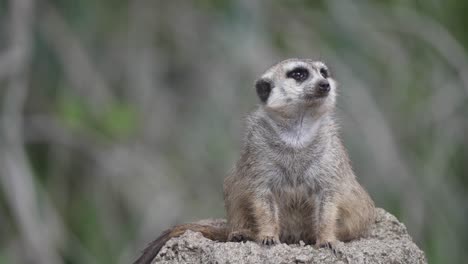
[208, 231]
[293, 180]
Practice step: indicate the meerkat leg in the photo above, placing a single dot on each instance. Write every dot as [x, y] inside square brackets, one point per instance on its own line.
[265, 212]
[237, 199]
[326, 215]
[240, 221]
[240, 229]
[356, 214]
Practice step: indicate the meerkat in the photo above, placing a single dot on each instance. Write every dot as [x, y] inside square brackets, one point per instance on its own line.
[293, 180]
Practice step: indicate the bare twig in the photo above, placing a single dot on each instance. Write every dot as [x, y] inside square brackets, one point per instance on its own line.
[7, 60]
[436, 36]
[17, 177]
[78, 66]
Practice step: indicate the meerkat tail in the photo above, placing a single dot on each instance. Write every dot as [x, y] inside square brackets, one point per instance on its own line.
[153, 248]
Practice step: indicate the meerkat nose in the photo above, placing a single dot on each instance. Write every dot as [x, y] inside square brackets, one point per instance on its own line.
[323, 86]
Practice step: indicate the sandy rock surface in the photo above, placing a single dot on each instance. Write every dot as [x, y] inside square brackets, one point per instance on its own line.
[387, 242]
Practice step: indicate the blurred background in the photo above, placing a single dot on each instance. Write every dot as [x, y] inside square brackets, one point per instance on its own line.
[120, 118]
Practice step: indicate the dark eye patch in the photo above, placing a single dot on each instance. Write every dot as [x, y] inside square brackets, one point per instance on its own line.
[299, 74]
[263, 87]
[324, 72]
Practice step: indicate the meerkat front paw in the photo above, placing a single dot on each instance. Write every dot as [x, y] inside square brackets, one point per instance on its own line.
[239, 236]
[330, 244]
[269, 240]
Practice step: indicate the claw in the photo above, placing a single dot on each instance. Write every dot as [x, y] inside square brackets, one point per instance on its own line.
[269, 241]
[328, 245]
[238, 236]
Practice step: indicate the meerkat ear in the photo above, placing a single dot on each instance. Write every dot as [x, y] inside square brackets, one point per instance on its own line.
[263, 87]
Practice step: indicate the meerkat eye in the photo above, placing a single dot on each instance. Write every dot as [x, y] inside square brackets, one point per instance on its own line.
[324, 73]
[298, 74]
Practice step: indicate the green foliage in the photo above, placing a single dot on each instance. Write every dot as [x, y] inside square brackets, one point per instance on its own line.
[117, 122]
[73, 113]
[4, 259]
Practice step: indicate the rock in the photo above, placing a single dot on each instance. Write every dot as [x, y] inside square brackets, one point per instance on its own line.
[387, 242]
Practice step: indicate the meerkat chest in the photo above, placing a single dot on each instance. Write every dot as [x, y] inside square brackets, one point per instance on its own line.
[295, 177]
[300, 134]
[298, 178]
[296, 167]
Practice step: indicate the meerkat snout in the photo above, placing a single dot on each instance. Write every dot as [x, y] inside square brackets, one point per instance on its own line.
[317, 89]
[323, 87]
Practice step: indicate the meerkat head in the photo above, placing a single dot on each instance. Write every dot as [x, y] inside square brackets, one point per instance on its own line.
[297, 83]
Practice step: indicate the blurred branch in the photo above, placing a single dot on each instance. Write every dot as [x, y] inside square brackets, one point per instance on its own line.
[43, 128]
[78, 66]
[17, 177]
[438, 37]
[8, 62]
